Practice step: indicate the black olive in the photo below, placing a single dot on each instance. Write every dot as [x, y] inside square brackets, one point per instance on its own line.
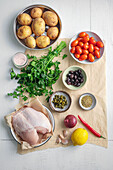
[72, 76]
[68, 79]
[76, 73]
[78, 84]
[81, 75]
[75, 77]
[72, 81]
[71, 71]
[79, 71]
[82, 80]
[75, 84]
[69, 83]
[79, 78]
[68, 75]
[76, 81]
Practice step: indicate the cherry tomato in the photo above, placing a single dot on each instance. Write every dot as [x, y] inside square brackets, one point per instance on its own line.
[87, 35]
[91, 47]
[92, 41]
[79, 39]
[78, 49]
[82, 34]
[81, 44]
[85, 46]
[87, 43]
[97, 53]
[99, 44]
[74, 43]
[83, 57]
[72, 50]
[85, 52]
[85, 39]
[91, 57]
[93, 53]
[96, 48]
[77, 55]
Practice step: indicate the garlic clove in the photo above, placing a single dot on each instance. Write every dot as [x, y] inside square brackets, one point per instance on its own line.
[64, 141]
[60, 136]
[58, 140]
[65, 133]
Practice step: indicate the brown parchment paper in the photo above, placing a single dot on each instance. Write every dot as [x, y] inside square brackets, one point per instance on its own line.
[96, 84]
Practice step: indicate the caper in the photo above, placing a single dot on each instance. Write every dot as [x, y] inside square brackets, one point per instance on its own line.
[66, 103]
[59, 101]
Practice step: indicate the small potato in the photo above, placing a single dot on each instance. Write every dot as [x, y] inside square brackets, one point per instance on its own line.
[38, 26]
[24, 32]
[36, 13]
[52, 33]
[30, 42]
[42, 41]
[50, 18]
[24, 19]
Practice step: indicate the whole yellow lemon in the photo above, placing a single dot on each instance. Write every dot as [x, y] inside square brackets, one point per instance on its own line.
[79, 136]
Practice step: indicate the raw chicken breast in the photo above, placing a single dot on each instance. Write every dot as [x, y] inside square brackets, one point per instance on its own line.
[27, 122]
[24, 129]
[37, 120]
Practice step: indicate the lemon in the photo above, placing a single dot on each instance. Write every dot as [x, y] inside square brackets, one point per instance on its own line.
[79, 136]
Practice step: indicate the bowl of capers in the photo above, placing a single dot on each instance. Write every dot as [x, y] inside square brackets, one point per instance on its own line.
[60, 101]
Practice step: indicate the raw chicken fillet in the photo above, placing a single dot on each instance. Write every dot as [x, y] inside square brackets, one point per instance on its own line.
[27, 123]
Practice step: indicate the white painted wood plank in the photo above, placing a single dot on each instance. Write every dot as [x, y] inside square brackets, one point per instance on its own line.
[102, 24]
[75, 15]
[88, 157]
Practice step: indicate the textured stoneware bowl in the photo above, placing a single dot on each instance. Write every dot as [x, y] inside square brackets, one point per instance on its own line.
[68, 98]
[71, 87]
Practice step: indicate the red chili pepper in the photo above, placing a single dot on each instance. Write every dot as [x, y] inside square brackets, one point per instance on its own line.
[90, 128]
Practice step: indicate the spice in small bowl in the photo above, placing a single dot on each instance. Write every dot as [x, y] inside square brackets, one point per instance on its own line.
[20, 60]
[87, 101]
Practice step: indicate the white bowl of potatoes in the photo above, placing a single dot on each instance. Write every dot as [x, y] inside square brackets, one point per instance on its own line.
[37, 27]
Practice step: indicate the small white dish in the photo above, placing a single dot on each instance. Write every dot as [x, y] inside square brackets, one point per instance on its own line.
[93, 103]
[68, 98]
[97, 38]
[53, 125]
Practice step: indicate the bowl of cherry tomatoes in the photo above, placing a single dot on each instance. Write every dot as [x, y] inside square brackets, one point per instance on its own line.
[86, 47]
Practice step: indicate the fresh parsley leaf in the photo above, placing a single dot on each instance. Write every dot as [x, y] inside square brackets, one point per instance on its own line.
[64, 56]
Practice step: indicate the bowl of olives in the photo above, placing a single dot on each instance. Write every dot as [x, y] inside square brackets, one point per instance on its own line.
[74, 78]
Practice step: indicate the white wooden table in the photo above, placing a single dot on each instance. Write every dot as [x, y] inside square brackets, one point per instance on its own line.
[76, 15]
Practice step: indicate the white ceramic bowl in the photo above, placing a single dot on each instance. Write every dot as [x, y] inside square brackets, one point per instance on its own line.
[93, 103]
[53, 125]
[97, 38]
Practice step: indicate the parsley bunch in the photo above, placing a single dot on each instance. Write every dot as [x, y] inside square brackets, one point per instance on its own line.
[38, 76]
